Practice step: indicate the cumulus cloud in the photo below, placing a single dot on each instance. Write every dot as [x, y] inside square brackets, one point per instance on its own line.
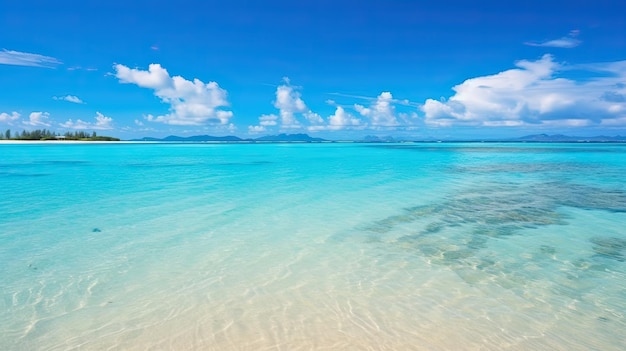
[342, 119]
[256, 129]
[290, 106]
[265, 121]
[9, 118]
[381, 112]
[289, 102]
[69, 98]
[191, 102]
[534, 94]
[566, 42]
[313, 117]
[268, 120]
[102, 123]
[38, 119]
[9, 57]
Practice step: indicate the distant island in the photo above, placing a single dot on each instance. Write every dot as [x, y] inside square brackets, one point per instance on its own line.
[545, 138]
[288, 138]
[209, 138]
[46, 135]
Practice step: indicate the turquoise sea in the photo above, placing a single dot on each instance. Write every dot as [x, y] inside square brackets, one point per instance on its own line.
[338, 246]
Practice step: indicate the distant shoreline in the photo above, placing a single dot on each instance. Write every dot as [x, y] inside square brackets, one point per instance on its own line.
[22, 142]
[62, 142]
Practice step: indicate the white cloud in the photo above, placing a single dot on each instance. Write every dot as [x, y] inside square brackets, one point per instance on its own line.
[264, 122]
[338, 121]
[102, 123]
[532, 94]
[156, 77]
[404, 102]
[38, 119]
[342, 119]
[569, 122]
[313, 117]
[191, 102]
[294, 113]
[77, 68]
[566, 42]
[268, 120]
[364, 111]
[9, 57]
[408, 119]
[69, 98]
[382, 111]
[290, 106]
[614, 122]
[288, 102]
[8, 118]
[256, 129]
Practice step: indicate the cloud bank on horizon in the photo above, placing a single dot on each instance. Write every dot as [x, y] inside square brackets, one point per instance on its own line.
[534, 93]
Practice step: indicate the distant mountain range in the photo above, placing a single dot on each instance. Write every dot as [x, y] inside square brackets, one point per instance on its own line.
[543, 138]
[566, 138]
[539, 138]
[290, 137]
[230, 138]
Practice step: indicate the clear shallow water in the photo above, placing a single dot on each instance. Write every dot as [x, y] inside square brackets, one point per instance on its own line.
[313, 246]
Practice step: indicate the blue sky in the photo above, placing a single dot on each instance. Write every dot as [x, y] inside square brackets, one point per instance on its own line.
[335, 69]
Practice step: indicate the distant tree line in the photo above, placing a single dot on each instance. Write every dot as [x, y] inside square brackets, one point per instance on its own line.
[45, 134]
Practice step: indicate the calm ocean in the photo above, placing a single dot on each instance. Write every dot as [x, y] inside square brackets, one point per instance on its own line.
[450, 246]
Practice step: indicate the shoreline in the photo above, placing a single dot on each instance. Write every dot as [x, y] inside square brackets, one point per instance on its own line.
[14, 142]
[11, 142]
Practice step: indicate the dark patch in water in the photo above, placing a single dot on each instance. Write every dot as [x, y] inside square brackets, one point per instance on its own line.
[456, 232]
[96, 230]
[252, 163]
[547, 250]
[46, 162]
[589, 198]
[63, 162]
[526, 168]
[496, 231]
[457, 254]
[163, 165]
[160, 165]
[585, 264]
[11, 174]
[609, 247]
